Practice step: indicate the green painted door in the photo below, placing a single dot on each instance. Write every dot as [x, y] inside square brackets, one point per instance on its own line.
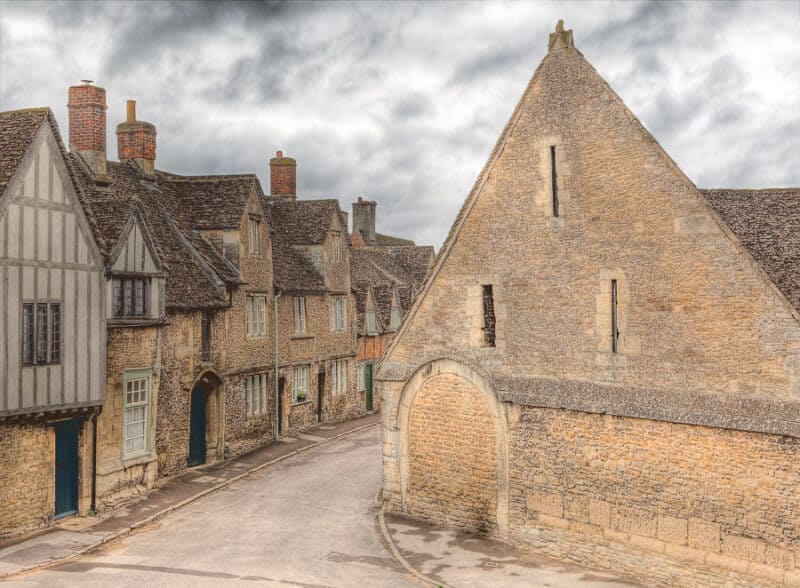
[368, 385]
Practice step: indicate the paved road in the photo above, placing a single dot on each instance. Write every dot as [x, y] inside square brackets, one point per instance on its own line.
[306, 522]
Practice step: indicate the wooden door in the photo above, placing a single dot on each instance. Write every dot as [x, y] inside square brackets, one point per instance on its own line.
[197, 428]
[66, 467]
[368, 385]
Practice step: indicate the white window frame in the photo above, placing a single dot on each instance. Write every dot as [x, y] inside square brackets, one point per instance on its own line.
[255, 394]
[338, 376]
[337, 247]
[299, 307]
[338, 313]
[129, 408]
[254, 236]
[361, 380]
[395, 320]
[256, 315]
[371, 322]
[301, 383]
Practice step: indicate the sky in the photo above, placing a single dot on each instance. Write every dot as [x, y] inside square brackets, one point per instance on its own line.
[401, 103]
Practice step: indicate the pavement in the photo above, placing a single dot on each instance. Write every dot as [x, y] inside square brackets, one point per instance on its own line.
[300, 514]
[76, 535]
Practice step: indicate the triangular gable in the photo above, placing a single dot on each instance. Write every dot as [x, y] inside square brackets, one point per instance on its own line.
[698, 218]
[45, 161]
[134, 250]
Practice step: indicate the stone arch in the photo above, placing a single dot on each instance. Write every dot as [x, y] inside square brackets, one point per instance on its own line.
[471, 378]
[212, 385]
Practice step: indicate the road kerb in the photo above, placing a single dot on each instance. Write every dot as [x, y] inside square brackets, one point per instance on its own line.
[399, 557]
[162, 513]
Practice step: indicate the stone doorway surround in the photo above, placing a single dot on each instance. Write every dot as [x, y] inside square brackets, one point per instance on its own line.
[214, 388]
[482, 383]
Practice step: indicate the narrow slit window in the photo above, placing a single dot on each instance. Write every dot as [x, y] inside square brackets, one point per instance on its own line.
[554, 177]
[614, 317]
[488, 316]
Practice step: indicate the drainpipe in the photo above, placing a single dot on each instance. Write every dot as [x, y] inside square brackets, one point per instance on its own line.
[277, 387]
[94, 460]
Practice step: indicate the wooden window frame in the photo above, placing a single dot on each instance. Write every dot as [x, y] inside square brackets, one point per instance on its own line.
[128, 377]
[301, 383]
[256, 315]
[254, 236]
[338, 313]
[255, 391]
[131, 297]
[299, 311]
[42, 337]
[371, 329]
[395, 319]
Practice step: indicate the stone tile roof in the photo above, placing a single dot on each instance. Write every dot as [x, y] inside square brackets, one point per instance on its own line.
[209, 202]
[387, 271]
[18, 128]
[389, 241]
[196, 272]
[304, 222]
[767, 223]
[291, 272]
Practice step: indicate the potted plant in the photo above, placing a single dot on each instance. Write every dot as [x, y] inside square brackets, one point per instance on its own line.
[301, 396]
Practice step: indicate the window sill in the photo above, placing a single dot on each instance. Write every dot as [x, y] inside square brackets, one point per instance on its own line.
[141, 459]
[128, 322]
[301, 336]
[301, 402]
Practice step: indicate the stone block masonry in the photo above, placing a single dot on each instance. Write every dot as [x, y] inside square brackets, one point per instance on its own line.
[27, 473]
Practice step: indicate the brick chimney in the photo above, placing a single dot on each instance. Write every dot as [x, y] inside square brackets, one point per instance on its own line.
[283, 176]
[136, 141]
[87, 127]
[364, 219]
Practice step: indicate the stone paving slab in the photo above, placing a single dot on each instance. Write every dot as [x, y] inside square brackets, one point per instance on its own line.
[75, 535]
[451, 558]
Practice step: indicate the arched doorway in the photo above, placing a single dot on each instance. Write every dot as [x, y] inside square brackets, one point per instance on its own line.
[205, 420]
[453, 454]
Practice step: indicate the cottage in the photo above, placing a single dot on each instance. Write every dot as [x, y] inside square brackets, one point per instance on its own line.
[604, 362]
[52, 321]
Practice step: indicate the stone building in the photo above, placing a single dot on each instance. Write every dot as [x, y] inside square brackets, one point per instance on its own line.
[603, 364]
[314, 305]
[52, 323]
[386, 273]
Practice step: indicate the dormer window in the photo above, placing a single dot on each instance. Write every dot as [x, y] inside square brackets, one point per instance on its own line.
[254, 235]
[371, 322]
[131, 297]
[394, 321]
[337, 247]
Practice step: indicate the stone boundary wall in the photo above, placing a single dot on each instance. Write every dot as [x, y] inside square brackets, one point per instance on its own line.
[649, 498]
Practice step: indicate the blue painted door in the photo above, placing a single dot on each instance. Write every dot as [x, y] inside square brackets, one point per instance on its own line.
[197, 428]
[66, 466]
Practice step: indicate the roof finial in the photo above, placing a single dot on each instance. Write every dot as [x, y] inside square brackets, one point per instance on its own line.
[561, 39]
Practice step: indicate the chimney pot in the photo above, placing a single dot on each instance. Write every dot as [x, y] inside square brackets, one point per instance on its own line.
[136, 141]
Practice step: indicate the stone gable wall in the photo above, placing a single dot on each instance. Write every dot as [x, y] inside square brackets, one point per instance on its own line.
[704, 339]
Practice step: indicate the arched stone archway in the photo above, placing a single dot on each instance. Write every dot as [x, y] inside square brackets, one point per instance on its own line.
[454, 448]
[206, 419]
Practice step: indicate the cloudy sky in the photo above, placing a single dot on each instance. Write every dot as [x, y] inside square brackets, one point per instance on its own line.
[402, 103]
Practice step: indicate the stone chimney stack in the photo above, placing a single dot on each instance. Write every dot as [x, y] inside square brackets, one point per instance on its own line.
[364, 219]
[87, 127]
[283, 176]
[136, 141]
